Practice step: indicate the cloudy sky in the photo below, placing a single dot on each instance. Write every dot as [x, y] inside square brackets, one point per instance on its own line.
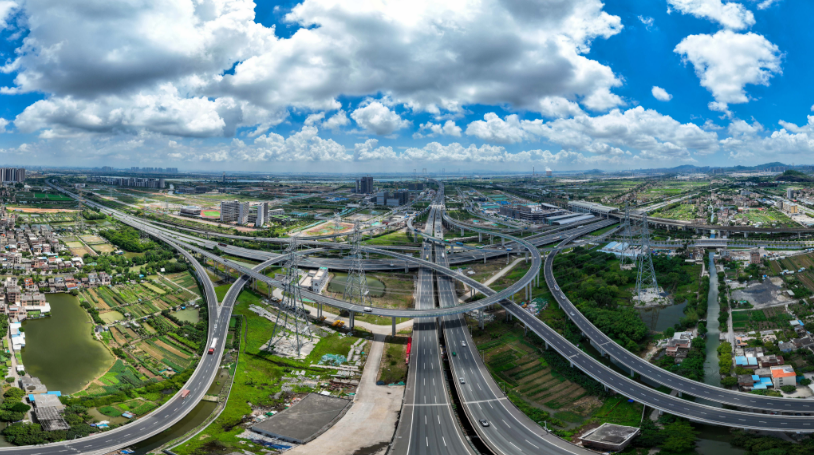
[395, 85]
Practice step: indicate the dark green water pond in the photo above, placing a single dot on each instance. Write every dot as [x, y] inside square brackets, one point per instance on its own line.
[60, 349]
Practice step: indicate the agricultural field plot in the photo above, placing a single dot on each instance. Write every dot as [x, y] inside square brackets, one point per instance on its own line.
[103, 248]
[42, 197]
[684, 212]
[92, 239]
[186, 281]
[517, 363]
[768, 217]
[168, 354]
[766, 319]
[81, 252]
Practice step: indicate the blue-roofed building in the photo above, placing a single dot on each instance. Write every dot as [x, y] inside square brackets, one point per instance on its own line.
[741, 361]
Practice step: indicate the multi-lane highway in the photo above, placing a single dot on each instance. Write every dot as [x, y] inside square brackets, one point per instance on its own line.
[427, 424]
[509, 431]
[618, 382]
[654, 373]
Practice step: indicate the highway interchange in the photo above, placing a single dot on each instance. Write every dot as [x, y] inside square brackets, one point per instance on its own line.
[498, 439]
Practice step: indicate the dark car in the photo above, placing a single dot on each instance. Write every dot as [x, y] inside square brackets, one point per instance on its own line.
[484, 422]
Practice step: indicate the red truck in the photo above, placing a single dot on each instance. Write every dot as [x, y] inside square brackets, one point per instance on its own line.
[212, 346]
[184, 393]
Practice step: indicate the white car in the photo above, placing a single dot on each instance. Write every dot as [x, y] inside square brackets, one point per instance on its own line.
[369, 310]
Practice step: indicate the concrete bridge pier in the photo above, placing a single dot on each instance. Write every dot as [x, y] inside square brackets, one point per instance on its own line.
[572, 363]
[462, 232]
[350, 322]
[545, 345]
[503, 240]
[405, 267]
[490, 239]
[319, 311]
[393, 332]
[480, 319]
[480, 237]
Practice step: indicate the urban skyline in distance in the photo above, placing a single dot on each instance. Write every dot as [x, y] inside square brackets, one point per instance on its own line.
[719, 84]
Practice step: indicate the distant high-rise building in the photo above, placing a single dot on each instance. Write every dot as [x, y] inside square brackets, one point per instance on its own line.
[12, 175]
[790, 193]
[234, 211]
[243, 213]
[548, 173]
[364, 185]
[262, 214]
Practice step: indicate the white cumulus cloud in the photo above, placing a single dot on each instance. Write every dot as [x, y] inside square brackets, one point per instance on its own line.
[376, 118]
[727, 61]
[497, 130]
[337, 120]
[430, 129]
[730, 15]
[7, 8]
[661, 94]
[647, 21]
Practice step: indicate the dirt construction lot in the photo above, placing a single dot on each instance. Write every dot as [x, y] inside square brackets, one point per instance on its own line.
[369, 425]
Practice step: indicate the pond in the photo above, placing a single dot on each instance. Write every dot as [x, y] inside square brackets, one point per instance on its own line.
[60, 349]
[338, 283]
[188, 315]
[660, 319]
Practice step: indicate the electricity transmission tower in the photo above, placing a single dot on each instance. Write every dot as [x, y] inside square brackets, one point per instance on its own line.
[646, 277]
[356, 290]
[291, 307]
[627, 239]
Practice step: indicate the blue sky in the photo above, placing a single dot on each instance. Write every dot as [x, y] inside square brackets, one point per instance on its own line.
[330, 86]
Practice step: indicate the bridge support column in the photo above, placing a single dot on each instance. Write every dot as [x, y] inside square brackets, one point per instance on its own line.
[319, 311]
[480, 237]
[394, 326]
[462, 232]
[350, 324]
[480, 319]
[502, 240]
[525, 330]
[606, 388]
[490, 239]
[405, 267]
[572, 363]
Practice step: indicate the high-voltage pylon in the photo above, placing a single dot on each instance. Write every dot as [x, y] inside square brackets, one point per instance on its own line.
[627, 239]
[292, 320]
[646, 276]
[356, 290]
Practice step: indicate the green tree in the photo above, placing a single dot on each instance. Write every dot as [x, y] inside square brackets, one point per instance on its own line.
[729, 381]
[680, 436]
[789, 388]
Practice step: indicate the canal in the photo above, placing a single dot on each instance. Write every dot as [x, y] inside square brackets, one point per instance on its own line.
[61, 349]
[712, 374]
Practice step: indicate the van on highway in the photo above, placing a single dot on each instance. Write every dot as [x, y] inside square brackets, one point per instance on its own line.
[463, 343]
[368, 309]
